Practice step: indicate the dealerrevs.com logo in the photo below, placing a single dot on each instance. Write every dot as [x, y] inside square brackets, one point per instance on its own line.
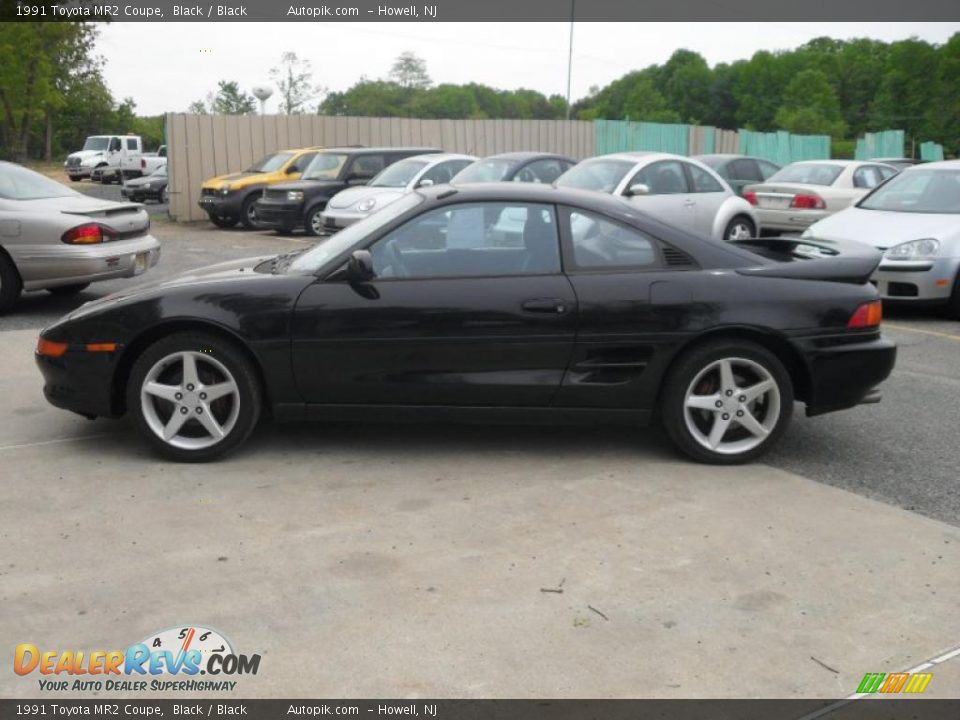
[171, 660]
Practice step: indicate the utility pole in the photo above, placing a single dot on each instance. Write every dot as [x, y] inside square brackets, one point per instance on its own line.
[573, 5]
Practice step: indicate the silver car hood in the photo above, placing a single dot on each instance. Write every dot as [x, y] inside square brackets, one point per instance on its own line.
[84, 154]
[884, 228]
[351, 196]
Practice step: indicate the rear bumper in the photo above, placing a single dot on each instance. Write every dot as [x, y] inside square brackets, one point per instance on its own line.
[842, 376]
[926, 283]
[54, 264]
[790, 220]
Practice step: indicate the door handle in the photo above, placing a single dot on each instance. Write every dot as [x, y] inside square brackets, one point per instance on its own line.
[545, 305]
[689, 203]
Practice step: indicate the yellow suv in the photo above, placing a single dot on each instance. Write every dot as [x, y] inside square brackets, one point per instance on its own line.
[229, 198]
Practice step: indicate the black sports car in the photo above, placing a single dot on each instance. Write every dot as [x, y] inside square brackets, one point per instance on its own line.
[505, 302]
[152, 186]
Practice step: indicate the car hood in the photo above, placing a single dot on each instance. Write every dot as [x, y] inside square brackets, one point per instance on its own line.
[84, 154]
[241, 179]
[141, 181]
[307, 185]
[883, 229]
[354, 195]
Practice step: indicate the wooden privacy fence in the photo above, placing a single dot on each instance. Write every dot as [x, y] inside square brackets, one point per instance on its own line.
[203, 146]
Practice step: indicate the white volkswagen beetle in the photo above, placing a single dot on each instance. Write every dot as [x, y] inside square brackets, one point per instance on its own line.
[677, 190]
[914, 218]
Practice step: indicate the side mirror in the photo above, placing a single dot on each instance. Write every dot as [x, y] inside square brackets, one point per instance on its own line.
[638, 189]
[426, 182]
[292, 169]
[360, 267]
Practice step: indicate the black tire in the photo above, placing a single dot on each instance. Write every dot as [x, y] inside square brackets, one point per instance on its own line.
[248, 213]
[209, 347]
[162, 196]
[10, 283]
[312, 222]
[68, 289]
[223, 222]
[75, 178]
[690, 366]
[284, 231]
[737, 226]
[953, 307]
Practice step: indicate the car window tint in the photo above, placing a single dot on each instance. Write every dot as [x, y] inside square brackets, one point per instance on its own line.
[544, 171]
[703, 182]
[366, 166]
[744, 169]
[662, 178]
[131, 143]
[301, 163]
[601, 243]
[442, 173]
[867, 176]
[886, 172]
[767, 169]
[472, 239]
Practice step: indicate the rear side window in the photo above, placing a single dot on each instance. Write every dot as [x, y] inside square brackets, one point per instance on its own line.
[744, 169]
[662, 178]
[702, 181]
[367, 166]
[868, 176]
[599, 243]
[131, 143]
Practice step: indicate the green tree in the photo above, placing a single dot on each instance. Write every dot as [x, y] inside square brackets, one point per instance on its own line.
[231, 100]
[294, 79]
[810, 106]
[410, 71]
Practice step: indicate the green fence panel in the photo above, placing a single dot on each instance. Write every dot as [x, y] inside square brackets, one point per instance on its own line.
[931, 151]
[883, 144]
[782, 147]
[623, 135]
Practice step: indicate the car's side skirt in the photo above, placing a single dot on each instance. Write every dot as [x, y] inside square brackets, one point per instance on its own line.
[288, 412]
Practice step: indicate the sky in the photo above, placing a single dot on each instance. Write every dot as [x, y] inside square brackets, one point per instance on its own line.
[166, 66]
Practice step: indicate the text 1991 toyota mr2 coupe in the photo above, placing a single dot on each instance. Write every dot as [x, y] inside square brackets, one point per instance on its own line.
[505, 302]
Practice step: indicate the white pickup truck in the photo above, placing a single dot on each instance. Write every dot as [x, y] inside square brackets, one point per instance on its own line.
[151, 162]
[106, 158]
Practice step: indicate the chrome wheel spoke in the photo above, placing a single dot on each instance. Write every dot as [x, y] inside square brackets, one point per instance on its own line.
[219, 390]
[755, 391]
[174, 424]
[752, 425]
[703, 402]
[719, 429]
[209, 422]
[165, 392]
[726, 375]
[190, 376]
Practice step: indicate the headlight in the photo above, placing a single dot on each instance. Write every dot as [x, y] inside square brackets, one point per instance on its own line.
[294, 196]
[225, 190]
[925, 249]
[366, 205]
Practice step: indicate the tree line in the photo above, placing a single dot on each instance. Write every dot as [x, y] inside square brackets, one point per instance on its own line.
[52, 92]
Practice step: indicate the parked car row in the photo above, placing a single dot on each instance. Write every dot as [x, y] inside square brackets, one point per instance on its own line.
[113, 158]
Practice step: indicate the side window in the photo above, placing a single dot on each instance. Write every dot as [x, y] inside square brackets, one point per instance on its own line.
[441, 173]
[131, 143]
[767, 168]
[366, 166]
[544, 171]
[744, 169]
[114, 144]
[702, 181]
[300, 164]
[662, 178]
[602, 243]
[867, 176]
[886, 172]
[472, 239]
[162, 152]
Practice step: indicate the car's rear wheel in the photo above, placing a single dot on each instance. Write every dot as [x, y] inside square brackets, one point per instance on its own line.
[10, 283]
[162, 196]
[248, 214]
[953, 307]
[75, 178]
[313, 225]
[740, 228]
[223, 222]
[727, 402]
[194, 396]
[68, 289]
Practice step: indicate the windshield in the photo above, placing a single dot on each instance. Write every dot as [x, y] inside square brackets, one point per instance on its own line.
[918, 191]
[598, 175]
[808, 174]
[96, 143]
[18, 183]
[322, 253]
[398, 174]
[325, 166]
[484, 171]
[270, 163]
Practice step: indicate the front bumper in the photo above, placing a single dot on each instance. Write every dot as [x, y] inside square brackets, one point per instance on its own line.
[335, 220]
[136, 193]
[222, 205]
[788, 220]
[279, 215]
[53, 265]
[79, 381]
[845, 374]
[78, 171]
[927, 282]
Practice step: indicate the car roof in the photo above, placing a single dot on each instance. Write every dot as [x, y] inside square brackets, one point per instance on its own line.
[368, 150]
[831, 161]
[527, 155]
[634, 156]
[442, 157]
[937, 165]
[530, 192]
[730, 156]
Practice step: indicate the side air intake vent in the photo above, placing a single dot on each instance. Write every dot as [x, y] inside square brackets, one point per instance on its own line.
[677, 258]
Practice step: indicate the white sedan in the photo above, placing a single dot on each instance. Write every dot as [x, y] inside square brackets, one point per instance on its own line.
[914, 218]
[674, 189]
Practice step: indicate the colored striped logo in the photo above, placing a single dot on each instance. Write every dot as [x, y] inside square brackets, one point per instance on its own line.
[894, 683]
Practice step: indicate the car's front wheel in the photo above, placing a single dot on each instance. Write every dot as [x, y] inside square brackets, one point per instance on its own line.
[314, 222]
[739, 228]
[727, 402]
[195, 396]
[222, 222]
[248, 214]
[10, 283]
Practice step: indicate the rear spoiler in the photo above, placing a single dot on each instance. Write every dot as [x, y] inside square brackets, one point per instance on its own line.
[808, 259]
[112, 208]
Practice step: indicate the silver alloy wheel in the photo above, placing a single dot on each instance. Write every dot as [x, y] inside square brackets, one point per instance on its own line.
[252, 213]
[190, 400]
[740, 231]
[732, 405]
[316, 222]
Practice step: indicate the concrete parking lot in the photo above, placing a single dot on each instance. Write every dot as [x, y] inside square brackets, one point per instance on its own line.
[403, 561]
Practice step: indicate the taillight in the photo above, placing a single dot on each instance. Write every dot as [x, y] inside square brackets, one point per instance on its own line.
[808, 202]
[867, 315]
[143, 163]
[88, 234]
[751, 197]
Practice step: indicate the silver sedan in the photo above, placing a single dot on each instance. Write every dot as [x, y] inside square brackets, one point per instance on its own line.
[53, 238]
[674, 189]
